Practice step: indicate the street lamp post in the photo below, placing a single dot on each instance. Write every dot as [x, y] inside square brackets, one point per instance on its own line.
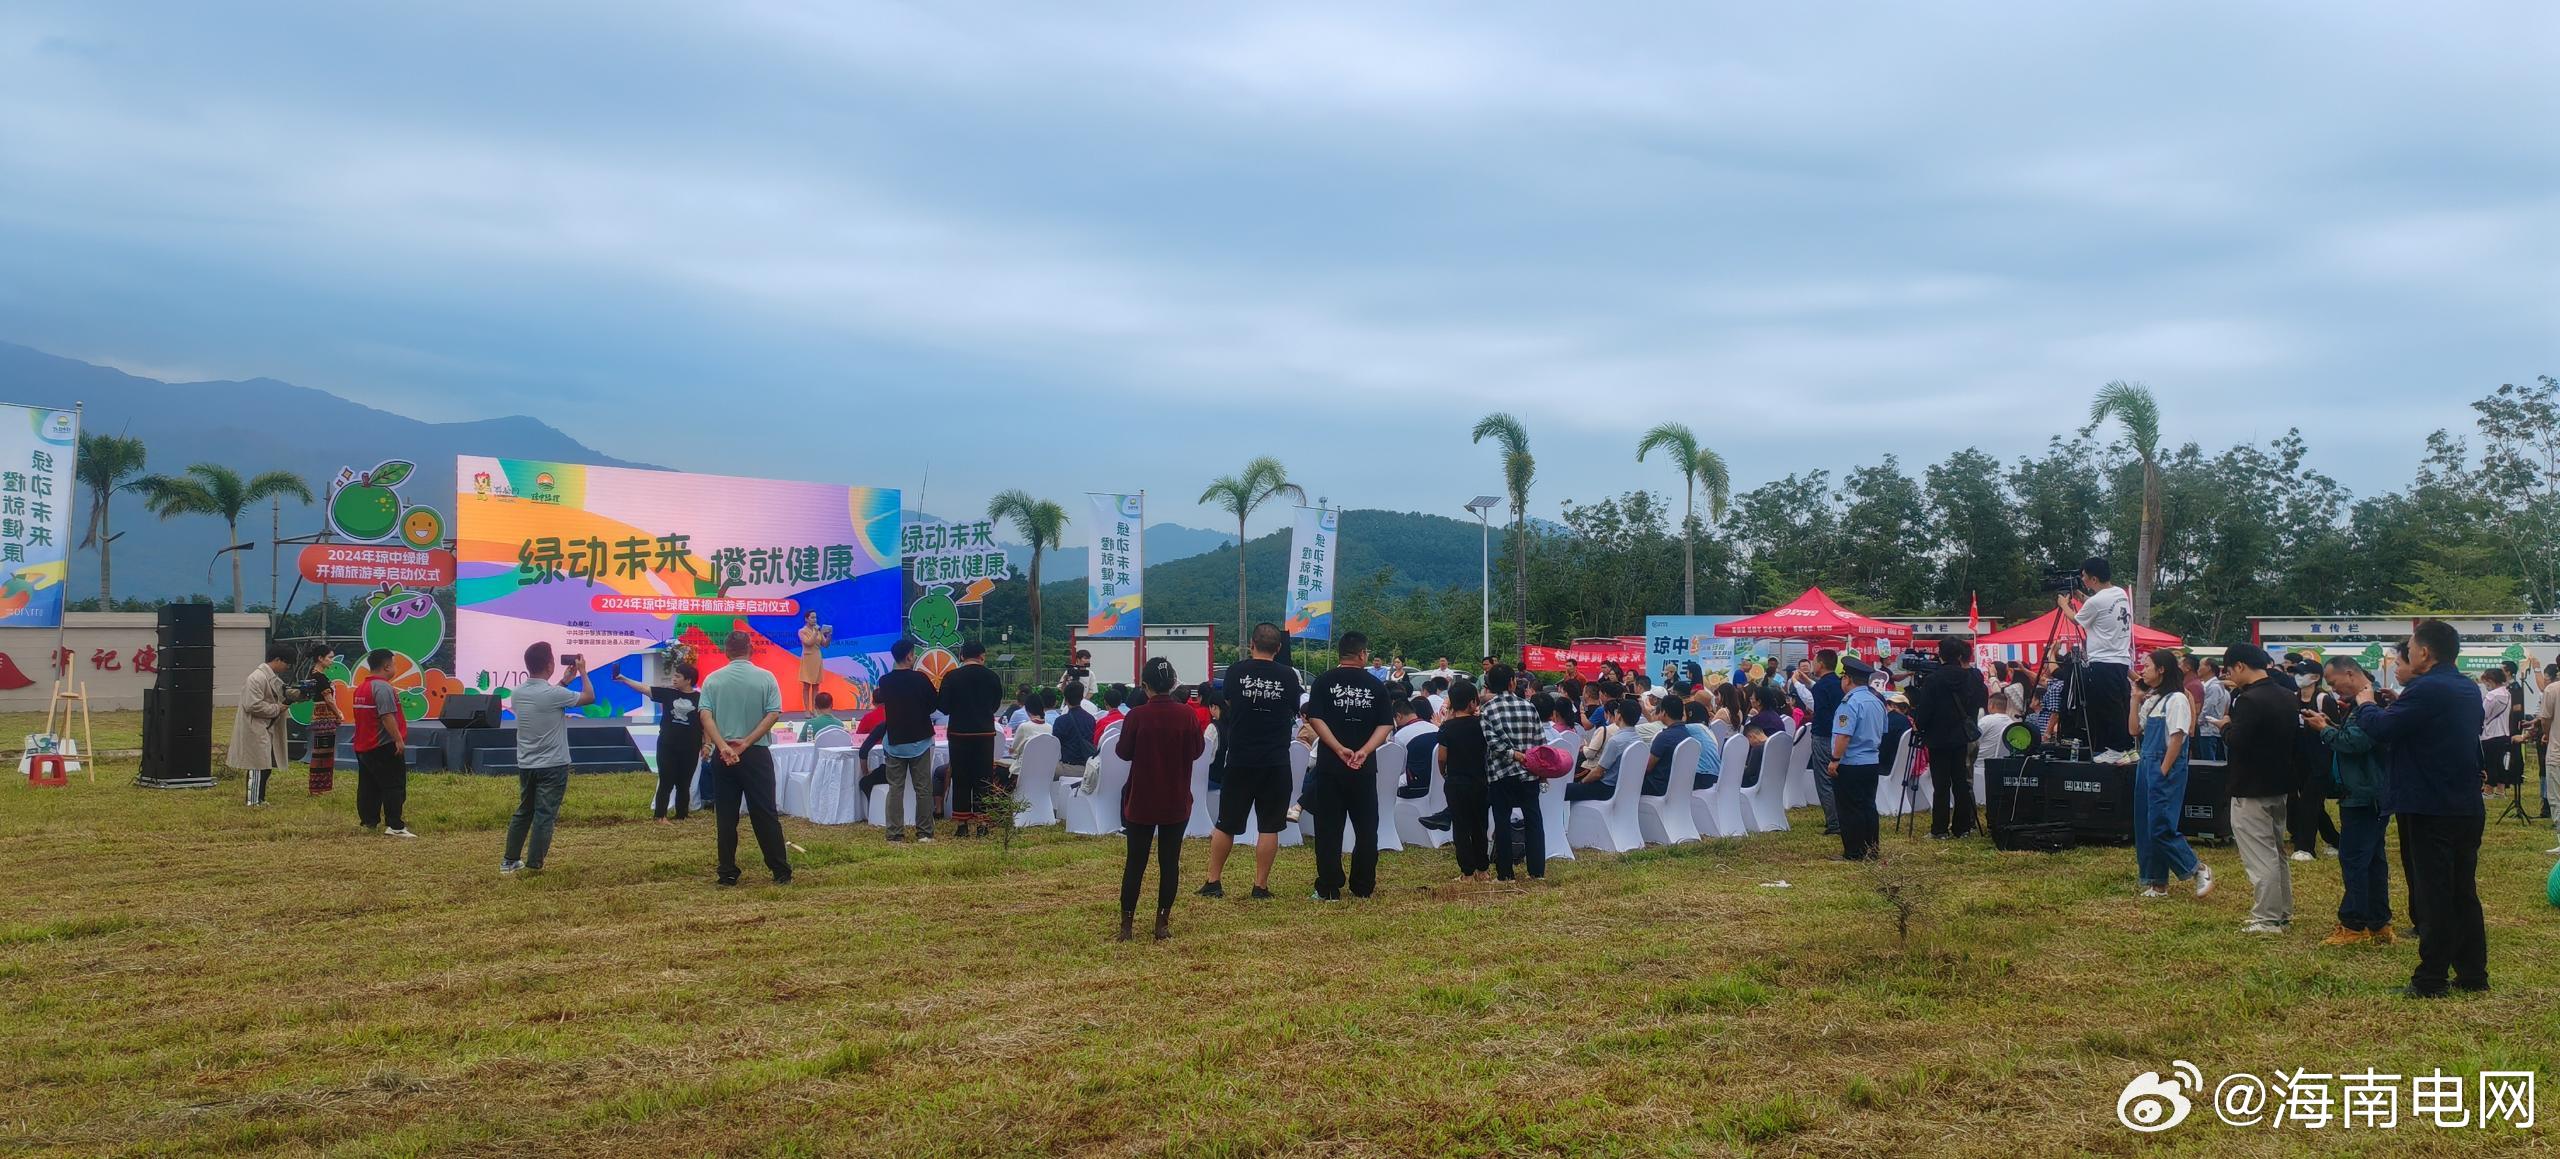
[1484, 567]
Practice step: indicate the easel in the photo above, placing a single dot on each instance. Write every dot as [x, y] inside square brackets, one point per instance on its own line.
[65, 696]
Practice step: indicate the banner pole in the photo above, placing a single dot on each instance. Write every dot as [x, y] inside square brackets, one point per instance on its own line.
[62, 618]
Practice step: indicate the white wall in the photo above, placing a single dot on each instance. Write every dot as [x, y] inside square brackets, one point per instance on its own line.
[238, 642]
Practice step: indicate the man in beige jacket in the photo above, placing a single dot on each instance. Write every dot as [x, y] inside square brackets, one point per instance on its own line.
[257, 728]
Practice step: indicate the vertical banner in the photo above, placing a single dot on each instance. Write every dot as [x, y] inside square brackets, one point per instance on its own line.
[39, 453]
[1115, 579]
[1310, 610]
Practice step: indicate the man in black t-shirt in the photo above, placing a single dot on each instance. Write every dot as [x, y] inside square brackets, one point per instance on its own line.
[971, 694]
[1261, 710]
[1351, 714]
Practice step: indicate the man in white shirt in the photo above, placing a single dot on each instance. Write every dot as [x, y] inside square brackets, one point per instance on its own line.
[2106, 684]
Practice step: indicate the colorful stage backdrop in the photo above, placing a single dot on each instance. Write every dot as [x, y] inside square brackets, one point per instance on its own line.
[611, 564]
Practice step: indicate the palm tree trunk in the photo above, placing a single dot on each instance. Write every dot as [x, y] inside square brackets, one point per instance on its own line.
[1689, 549]
[1520, 580]
[2147, 549]
[1240, 612]
[106, 563]
[1035, 614]
[238, 597]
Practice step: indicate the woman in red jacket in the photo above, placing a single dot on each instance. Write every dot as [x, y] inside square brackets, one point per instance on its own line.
[1160, 739]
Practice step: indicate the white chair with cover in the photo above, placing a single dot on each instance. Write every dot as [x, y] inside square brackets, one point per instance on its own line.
[1036, 782]
[1387, 764]
[1764, 803]
[1553, 813]
[1406, 815]
[1717, 809]
[1892, 797]
[1203, 819]
[793, 764]
[1097, 814]
[835, 794]
[1720, 730]
[1670, 818]
[1610, 822]
[1800, 787]
[833, 737]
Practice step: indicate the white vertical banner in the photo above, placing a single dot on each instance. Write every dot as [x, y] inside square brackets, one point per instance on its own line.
[1115, 570]
[1311, 550]
[39, 461]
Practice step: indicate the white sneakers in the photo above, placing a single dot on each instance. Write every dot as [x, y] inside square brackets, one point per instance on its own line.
[2113, 757]
[2262, 928]
[2204, 880]
[2154, 891]
[402, 832]
[2302, 855]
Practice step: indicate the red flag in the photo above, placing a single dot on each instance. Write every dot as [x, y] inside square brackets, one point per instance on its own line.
[1973, 618]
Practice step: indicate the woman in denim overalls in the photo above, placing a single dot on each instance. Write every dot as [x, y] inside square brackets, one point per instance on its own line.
[2164, 719]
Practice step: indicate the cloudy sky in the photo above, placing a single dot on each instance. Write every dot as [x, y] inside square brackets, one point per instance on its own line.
[1096, 247]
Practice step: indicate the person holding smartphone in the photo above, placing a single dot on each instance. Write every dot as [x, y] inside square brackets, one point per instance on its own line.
[542, 752]
[814, 638]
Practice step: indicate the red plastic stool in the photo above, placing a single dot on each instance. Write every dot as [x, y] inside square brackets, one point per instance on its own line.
[48, 771]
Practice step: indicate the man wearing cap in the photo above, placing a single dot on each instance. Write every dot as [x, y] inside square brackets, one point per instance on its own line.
[1857, 747]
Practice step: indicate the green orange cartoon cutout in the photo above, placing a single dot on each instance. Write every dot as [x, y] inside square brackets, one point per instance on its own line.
[405, 621]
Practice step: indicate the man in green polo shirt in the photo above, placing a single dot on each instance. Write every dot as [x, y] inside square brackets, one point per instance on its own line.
[740, 704]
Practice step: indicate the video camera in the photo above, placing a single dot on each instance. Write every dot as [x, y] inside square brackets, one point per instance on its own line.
[2061, 579]
[313, 687]
[1917, 664]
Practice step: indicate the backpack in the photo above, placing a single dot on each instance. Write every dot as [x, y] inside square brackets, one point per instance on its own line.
[1546, 763]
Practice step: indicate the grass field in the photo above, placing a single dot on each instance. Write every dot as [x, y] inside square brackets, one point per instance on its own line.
[181, 975]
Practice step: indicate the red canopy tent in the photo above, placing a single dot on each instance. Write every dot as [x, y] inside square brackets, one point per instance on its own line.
[1814, 615]
[2028, 638]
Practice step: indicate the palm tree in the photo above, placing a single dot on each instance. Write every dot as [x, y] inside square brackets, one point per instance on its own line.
[108, 464]
[1239, 495]
[1518, 471]
[2131, 404]
[1697, 464]
[1043, 524]
[216, 490]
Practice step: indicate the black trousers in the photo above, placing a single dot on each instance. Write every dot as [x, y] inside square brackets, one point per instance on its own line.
[2307, 819]
[2441, 856]
[751, 781]
[2106, 690]
[382, 786]
[1505, 796]
[675, 781]
[973, 768]
[1341, 794]
[1468, 805]
[1861, 831]
[1167, 839]
[1951, 789]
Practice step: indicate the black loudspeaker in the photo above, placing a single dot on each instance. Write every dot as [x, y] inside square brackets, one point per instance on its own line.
[177, 739]
[469, 710]
[185, 680]
[185, 656]
[186, 625]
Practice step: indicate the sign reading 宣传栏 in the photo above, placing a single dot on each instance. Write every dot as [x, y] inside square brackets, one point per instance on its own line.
[1679, 641]
[609, 563]
[1311, 550]
[39, 450]
[1115, 575]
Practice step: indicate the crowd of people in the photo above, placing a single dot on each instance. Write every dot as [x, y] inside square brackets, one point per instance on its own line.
[2291, 735]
